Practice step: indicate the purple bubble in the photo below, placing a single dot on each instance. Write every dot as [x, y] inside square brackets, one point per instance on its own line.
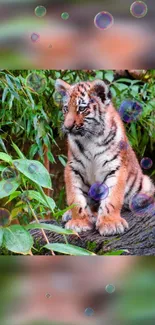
[35, 37]
[138, 9]
[123, 145]
[130, 110]
[146, 163]
[103, 20]
[142, 204]
[98, 191]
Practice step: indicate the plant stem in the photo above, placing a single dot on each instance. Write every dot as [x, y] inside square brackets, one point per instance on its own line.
[42, 230]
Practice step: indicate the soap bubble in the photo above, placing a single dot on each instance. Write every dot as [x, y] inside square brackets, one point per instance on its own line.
[89, 311]
[110, 288]
[32, 168]
[58, 97]
[123, 145]
[5, 217]
[130, 110]
[40, 11]
[146, 163]
[98, 191]
[36, 81]
[138, 9]
[7, 186]
[9, 173]
[65, 15]
[142, 204]
[48, 295]
[103, 20]
[35, 37]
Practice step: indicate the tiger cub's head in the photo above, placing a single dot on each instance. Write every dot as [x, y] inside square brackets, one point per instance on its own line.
[83, 106]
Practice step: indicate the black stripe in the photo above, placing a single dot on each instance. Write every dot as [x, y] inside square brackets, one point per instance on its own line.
[99, 153]
[107, 209]
[81, 148]
[79, 188]
[78, 160]
[107, 139]
[110, 139]
[112, 205]
[78, 173]
[111, 173]
[92, 119]
[111, 159]
[131, 187]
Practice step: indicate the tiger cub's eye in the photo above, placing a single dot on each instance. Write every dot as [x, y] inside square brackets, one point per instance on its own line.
[92, 100]
[82, 108]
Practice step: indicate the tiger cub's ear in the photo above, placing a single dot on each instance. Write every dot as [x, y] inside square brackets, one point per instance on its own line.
[61, 87]
[101, 89]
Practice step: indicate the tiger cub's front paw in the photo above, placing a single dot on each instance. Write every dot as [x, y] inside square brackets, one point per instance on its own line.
[79, 225]
[111, 225]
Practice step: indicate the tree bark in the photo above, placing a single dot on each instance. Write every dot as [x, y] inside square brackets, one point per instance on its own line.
[138, 240]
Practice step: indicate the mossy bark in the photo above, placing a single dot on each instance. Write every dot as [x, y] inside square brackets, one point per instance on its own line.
[138, 240]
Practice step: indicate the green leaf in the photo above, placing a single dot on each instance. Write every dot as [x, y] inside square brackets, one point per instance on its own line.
[3, 145]
[34, 170]
[17, 239]
[50, 157]
[11, 101]
[10, 84]
[53, 228]
[38, 197]
[2, 167]
[119, 252]
[13, 196]
[33, 150]
[60, 213]
[7, 187]
[5, 92]
[62, 160]
[1, 236]
[109, 75]
[68, 249]
[19, 153]
[5, 157]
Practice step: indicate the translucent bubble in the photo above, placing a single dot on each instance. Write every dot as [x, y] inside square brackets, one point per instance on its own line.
[9, 173]
[98, 191]
[103, 20]
[110, 288]
[58, 97]
[5, 217]
[123, 145]
[32, 168]
[146, 163]
[40, 11]
[50, 46]
[138, 9]
[65, 15]
[142, 204]
[130, 110]
[89, 311]
[35, 37]
[36, 81]
[48, 295]
[7, 187]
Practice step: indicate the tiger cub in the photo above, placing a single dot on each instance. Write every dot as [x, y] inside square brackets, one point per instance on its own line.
[95, 130]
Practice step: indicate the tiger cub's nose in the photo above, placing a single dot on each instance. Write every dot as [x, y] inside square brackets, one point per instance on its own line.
[69, 121]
